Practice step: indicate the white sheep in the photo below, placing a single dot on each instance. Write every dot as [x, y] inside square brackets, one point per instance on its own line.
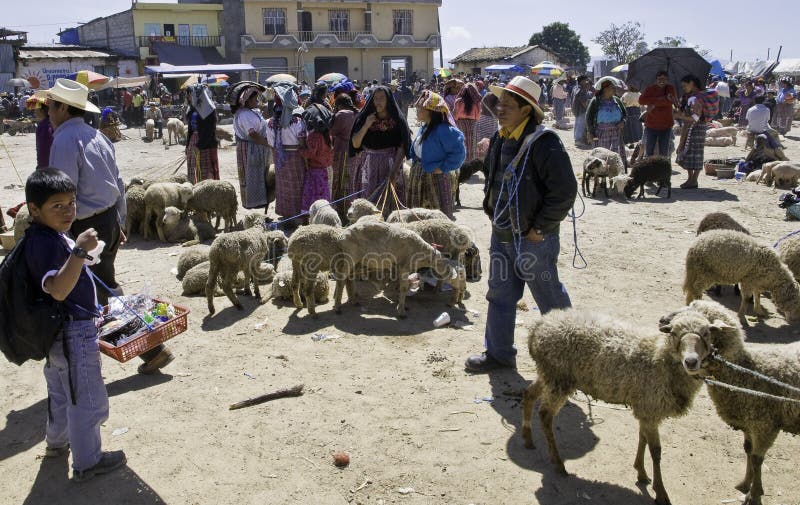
[21, 223]
[725, 132]
[189, 230]
[359, 208]
[176, 128]
[158, 197]
[614, 362]
[313, 249]
[600, 165]
[720, 221]
[283, 287]
[191, 257]
[415, 214]
[149, 129]
[215, 197]
[753, 176]
[789, 252]
[761, 419]
[614, 165]
[782, 173]
[196, 278]
[730, 257]
[321, 212]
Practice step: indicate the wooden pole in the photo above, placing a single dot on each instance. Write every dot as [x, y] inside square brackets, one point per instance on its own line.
[281, 393]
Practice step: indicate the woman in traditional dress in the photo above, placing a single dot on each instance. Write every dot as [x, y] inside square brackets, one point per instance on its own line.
[285, 133]
[381, 132]
[693, 140]
[633, 125]
[746, 95]
[317, 151]
[343, 119]
[784, 106]
[201, 149]
[487, 124]
[44, 130]
[466, 113]
[605, 118]
[437, 151]
[450, 92]
[559, 98]
[252, 148]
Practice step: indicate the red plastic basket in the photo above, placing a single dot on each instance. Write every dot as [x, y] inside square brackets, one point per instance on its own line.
[160, 333]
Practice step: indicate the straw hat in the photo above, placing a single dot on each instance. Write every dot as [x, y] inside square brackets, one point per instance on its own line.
[525, 88]
[72, 93]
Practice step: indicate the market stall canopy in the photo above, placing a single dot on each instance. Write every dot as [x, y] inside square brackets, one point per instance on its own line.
[547, 68]
[126, 82]
[165, 68]
[504, 68]
[789, 66]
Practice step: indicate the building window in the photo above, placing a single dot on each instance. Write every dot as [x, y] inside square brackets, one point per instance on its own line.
[403, 22]
[199, 30]
[274, 21]
[152, 29]
[339, 20]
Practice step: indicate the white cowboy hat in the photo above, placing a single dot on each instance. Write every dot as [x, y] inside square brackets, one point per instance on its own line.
[525, 88]
[72, 93]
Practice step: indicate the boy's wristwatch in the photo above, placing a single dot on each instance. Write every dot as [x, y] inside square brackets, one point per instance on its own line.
[81, 253]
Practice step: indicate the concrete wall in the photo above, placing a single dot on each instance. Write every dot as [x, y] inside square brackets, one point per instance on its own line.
[45, 71]
[114, 32]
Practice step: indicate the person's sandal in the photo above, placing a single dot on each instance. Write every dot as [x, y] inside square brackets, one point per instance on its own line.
[56, 452]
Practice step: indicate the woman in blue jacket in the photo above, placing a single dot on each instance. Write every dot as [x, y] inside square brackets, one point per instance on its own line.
[437, 152]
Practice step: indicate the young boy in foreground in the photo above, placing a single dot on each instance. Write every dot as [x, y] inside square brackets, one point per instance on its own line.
[77, 398]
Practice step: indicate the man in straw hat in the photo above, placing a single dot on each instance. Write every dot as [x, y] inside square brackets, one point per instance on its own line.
[530, 188]
[87, 157]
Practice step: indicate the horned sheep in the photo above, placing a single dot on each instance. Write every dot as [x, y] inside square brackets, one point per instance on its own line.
[759, 417]
[614, 362]
[730, 257]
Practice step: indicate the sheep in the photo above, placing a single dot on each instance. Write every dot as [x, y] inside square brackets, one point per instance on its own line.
[726, 132]
[730, 257]
[240, 251]
[720, 221]
[451, 239]
[189, 230]
[321, 212]
[789, 253]
[415, 214]
[134, 201]
[359, 208]
[191, 257]
[619, 182]
[653, 169]
[282, 287]
[761, 419]
[615, 362]
[313, 249]
[718, 142]
[601, 164]
[783, 173]
[753, 176]
[146, 183]
[196, 278]
[176, 128]
[21, 223]
[149, 129]
[378, 246]
[158, 197]
[613, 161]
[472, 263]
[215, 197]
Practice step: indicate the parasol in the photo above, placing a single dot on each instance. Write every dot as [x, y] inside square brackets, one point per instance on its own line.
[281, 78]
[620, 68]
[91, 80]
[332, 78]
[18, 82]
[443, 72]
[214, 79]
[547, 68]
[676, 61]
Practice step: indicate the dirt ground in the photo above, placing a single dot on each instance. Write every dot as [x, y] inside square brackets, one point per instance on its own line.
[393, 393]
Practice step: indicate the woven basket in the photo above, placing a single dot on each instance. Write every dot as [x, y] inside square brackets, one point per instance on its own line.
[710, 167]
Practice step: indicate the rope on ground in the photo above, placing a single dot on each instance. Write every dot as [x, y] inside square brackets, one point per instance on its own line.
[719, 359]
[775, 245]
[574, 217]
[758, 394]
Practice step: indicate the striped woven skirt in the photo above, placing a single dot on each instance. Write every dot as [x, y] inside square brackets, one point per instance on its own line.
[431, 191]
[376, 167]
[782, 117]
[608, 136]
[340, 183]
[201, 164]
[691, 157]
[468, 128]
[251, 164]
[633, 127]
[289, 179]
[486, 127]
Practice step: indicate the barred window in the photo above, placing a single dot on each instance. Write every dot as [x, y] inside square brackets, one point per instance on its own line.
[403, 22]
[339, 20]
[274, 21]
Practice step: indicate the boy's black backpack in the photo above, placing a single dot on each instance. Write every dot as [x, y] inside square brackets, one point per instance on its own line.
[30, 320]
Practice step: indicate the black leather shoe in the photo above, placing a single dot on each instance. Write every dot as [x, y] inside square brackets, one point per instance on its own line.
[484, 363]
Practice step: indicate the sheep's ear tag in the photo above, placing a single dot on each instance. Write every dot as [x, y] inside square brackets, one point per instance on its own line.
[666, 328]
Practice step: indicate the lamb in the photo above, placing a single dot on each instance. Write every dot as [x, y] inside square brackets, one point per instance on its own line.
[378, 246]
[601, 164]
[282, 287]
[613, 161]
[451, 239]
[158, 197]
[726, 132]
[720, 221]
[783, 173]
[191, 257]
[753, 176]
[730, 257]
[313, 249]
[189, 230]
[359, 208]
[196, 278]
[761, 419]
[415, 214]
[619, 182]
[215, 197]
[321, 212]
[134, 200]
[176, 128]
[615, 362]
[789, 253]
[21, 223]
[653, 169]
[242, 251]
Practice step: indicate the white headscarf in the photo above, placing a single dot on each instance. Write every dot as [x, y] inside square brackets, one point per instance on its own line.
[201, 100]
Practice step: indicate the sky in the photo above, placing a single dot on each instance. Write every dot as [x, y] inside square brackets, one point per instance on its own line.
[479, 23]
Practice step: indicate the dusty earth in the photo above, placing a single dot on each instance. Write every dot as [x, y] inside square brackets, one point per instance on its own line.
[393, 393]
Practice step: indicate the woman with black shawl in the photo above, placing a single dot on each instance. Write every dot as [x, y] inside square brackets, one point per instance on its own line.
[201, 147]
[381, 132]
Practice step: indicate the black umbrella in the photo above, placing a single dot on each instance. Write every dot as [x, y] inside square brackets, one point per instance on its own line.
[677, 61]
[18, 82]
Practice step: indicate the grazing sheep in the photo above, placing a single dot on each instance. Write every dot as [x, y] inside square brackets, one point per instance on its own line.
[134, 200]
[472, 263]
[196, 278]
[240, 251]
[158, 197]
[782, 173]
[359, 208]
[313, 249]
[616, 363]
[730, 257]
[21, 223]
[176, 128]
[191, 257]
[321, 212]
[720, 221]
[761, 419]
[619, 182]
[377, 246]
[789, 253]
[653, 169]
[282, 287]
[727, 132]
[188, 230]
[415, 214]
[613, 161]
[215, 197]
[753, 176]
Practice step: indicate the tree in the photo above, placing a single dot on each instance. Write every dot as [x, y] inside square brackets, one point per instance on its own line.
[563, 40]
[623, 43]
[679, 42]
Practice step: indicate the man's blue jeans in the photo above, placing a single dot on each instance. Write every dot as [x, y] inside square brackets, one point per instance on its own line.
[536, 266]
[77, 424]
[659, 138]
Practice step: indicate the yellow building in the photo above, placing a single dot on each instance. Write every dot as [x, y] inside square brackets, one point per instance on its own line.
[364, 40]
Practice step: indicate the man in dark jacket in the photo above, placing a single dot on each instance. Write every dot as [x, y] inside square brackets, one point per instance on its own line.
[530, 188]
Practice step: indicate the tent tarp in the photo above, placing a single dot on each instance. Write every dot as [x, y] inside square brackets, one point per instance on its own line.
[504, 68]
[197, 69]
[789, 66]
[127, 82]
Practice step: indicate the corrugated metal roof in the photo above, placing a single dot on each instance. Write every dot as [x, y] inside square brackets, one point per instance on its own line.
[27, 54]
